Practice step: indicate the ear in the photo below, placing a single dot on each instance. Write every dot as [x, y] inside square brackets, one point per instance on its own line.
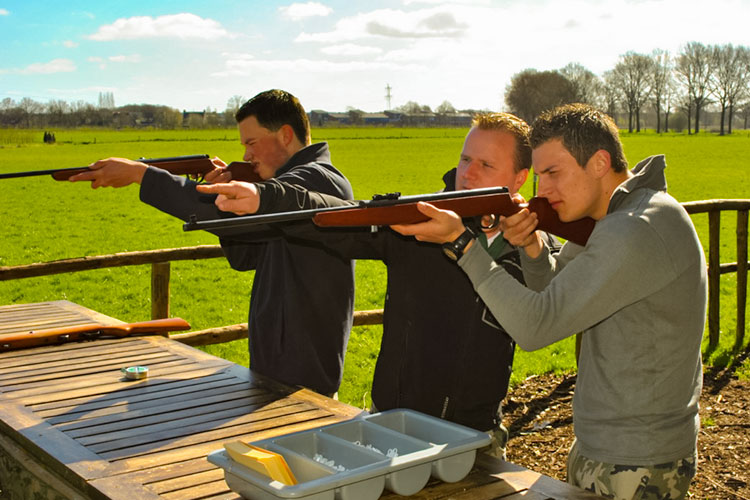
[600, 163]
[519, 180]
[286, 132]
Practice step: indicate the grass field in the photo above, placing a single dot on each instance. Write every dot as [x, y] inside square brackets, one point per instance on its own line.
[45, 220]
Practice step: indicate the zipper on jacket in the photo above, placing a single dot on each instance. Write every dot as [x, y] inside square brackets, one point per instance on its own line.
[445, 407]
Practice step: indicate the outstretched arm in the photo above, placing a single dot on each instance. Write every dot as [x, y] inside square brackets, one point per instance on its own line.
[112, 172]
[241, 198]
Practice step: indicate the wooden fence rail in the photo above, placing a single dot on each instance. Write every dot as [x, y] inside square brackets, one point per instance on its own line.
[160, 274]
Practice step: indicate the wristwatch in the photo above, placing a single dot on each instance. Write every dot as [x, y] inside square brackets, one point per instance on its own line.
[455, 249]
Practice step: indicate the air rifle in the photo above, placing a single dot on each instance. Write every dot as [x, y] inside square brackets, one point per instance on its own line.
[195, 166]
[390, 209]
[91, 331]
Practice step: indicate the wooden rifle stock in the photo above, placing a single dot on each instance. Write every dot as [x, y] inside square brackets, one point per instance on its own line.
[387, 210]
[469, 206]
[91, 331]
[195, 166]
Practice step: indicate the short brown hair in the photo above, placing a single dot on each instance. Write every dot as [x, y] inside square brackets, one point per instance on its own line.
[519, 129]
[583, 130]
[275, 108]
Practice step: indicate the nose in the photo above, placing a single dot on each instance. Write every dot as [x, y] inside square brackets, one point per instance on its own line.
[543, 188]
[248, 156]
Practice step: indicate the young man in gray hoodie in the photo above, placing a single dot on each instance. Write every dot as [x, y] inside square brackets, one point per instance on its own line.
[637, 290]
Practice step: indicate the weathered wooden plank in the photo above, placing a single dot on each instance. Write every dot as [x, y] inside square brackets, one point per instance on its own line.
[157, 423]
[182, 429]
[218, 381]
[202, 449]
[222, 433]
[477, 485]
[175, 369]
[135, 411]
[132, 396]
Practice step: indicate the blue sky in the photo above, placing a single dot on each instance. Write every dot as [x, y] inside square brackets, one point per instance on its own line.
[332, 54]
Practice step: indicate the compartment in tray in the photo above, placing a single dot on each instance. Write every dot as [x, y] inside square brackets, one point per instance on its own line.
[396, 447]
[252, 484]
[423, 427]
[315, 481]
[388, 443]
[457, 443]
[337, 454]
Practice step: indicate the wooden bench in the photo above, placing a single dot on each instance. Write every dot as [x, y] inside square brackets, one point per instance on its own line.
[71, 426]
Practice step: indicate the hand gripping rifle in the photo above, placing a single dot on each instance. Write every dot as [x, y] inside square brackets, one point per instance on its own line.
[195, 166]
[91, 331]
[390, 209]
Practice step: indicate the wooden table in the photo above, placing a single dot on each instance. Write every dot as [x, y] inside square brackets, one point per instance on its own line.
[71, 426]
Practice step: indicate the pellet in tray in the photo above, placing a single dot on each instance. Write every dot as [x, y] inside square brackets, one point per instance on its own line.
[330, 463]
[392, 452]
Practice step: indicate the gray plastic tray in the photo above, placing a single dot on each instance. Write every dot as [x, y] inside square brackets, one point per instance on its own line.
[355, 460]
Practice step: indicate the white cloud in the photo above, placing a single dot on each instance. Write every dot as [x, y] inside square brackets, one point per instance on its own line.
[436, 22]
[133, 58]
[54, 66]
[182, 26]
[70, 44]
[297, 11]
[350, 49]
[4, 12]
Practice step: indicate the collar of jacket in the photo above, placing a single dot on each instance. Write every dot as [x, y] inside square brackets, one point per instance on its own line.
[647, 174]
[449, 178]
[314, 153]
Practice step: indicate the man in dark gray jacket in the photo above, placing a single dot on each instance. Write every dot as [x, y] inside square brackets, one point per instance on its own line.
[296, 337]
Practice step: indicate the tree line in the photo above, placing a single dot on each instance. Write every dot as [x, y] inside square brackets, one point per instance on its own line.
[680, 87]
[686, 84]
[28, 113]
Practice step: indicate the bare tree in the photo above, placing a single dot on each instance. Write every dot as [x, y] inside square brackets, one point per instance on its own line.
[531, 92]
[445, 107]
[632, 76]
[610, 93]
[744, 112]
[588, 87]
[106, 100]
[694, 68]
[661, 76]
[234, 104]
[30, 108]
[743, 89]
[727, 79]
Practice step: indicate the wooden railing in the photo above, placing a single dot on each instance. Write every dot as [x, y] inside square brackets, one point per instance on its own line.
[160, 275]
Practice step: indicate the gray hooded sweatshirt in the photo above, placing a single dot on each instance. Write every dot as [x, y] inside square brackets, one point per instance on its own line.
[637, 291]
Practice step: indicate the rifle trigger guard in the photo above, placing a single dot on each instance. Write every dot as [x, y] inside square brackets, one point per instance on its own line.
[494, 221]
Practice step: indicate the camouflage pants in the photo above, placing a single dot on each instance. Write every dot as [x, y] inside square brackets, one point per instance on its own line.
[669, 481]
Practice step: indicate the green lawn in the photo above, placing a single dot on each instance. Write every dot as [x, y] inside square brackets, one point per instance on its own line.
[45, 220]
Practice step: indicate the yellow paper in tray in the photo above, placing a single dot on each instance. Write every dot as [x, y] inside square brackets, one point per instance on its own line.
[261, 460]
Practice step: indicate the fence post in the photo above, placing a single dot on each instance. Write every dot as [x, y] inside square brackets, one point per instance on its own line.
[714, 273]
[741, 276]
[160, 290]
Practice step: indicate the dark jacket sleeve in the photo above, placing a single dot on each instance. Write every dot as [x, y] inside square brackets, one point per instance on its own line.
[351, 243]
[176, 196]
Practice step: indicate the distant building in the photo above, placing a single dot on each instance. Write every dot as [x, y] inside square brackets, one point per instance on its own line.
[188, 116]
[321, 118]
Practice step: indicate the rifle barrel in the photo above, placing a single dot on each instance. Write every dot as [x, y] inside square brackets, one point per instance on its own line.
[384, 202]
